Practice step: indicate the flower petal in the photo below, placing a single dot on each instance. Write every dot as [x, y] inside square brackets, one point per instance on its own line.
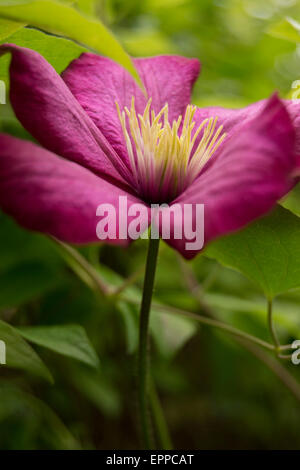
[48, 110]
[233, 119]
[253, 170]
[97, 82]
[49, 194]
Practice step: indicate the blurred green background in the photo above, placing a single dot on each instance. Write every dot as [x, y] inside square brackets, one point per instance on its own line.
[216, 393]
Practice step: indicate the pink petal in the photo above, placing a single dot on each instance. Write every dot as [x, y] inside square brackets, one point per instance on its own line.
[48, 110]
[233, 119]
[253, 170]
[49, 194]
[97, 82]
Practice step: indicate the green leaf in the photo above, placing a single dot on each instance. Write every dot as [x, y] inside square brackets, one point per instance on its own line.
[29, 409]
[169, 332]
[25, 282]
[19, 355]
[7, 28]
[292, 200]
[130, 318]
[235, 310]
[68, 340]
[288, 29]
[87, 6]
[267, 252]
[45, 45]
[64, 20]
[101, 393]
[18, 246]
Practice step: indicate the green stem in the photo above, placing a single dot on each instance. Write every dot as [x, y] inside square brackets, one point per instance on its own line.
[129, 281]
[82, 267]
[143, 354]
[159, 420]
[286, 378]
[168, 309]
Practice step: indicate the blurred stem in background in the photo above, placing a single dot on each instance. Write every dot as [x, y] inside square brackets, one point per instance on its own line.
[273, 333]
[82, 267]
[274, 365]
[147, 392]
[144, 346]
[271, 326]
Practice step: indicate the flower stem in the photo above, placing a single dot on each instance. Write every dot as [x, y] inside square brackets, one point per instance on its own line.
[143, 354]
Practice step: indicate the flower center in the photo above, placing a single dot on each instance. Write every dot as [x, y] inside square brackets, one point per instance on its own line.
[164, 159]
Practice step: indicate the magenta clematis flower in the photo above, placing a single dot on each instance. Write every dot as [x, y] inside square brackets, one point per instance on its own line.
[101, 138]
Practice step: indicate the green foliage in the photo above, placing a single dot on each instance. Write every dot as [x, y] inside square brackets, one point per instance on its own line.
[25, 282]
[100, 393]
[87, 6]
[19, 355]
[268, 252]
[291, 201]
[45, 45]
[288, 29]
[215, 394]
[68, 340]
[39, 422]
[64, 20]
[8, 27]
[169, 332]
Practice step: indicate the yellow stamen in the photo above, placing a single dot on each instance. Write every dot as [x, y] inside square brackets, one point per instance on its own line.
[163, 159]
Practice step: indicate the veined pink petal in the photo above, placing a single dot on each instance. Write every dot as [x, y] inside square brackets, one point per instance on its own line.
[49, 194]
[233, 119]
[97, 82]
[48, 110]
[253, 170]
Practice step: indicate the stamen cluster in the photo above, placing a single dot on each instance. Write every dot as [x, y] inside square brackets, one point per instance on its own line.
[164, 158]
